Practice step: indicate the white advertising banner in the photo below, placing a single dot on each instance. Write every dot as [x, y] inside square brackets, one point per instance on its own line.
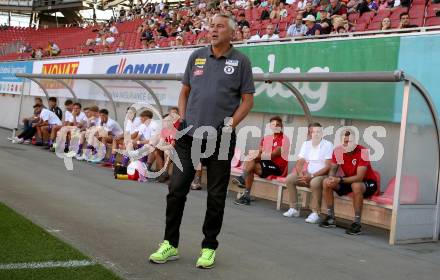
[151, 62]
[79, 65]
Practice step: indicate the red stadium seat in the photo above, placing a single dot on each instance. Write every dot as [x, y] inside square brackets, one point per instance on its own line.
[275, 21]
[381, 15]
[417, 13]
[395, 23]
[431, 10]
[365, 18]
[419, 2]
[409, 191]
[432, 21]
[397, 12]
[374, 26]
[283, 26]
[359, 27]
[353, 17]
[417, 21]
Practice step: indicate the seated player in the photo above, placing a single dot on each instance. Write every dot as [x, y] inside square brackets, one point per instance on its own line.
[317, 154]
[271, 159]
[47, 119]
[143, 134]
[358, 178]
[159, 155]
[93, 120]
[53, 106]
[77, 119]
[52, 131]
[28, 131]
[130, 125]
[109, 129]
[27, 122]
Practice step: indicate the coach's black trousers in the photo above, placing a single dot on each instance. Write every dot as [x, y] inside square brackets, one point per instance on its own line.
[218, 173]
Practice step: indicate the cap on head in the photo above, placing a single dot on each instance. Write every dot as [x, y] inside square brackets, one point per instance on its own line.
[310, 18]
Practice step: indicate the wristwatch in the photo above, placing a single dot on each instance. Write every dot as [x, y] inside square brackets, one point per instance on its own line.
[341, 180]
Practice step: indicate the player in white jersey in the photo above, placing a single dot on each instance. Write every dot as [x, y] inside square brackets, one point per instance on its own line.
[76, 121]
[88, 131]
[108, 130]
[48, 120]
[68, 104]
[124, 141]
[145, 132]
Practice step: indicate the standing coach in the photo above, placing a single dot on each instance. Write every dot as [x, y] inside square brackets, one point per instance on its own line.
[216, 79]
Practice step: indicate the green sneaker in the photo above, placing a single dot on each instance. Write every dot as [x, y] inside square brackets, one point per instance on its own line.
[166, 252]
[207, 259]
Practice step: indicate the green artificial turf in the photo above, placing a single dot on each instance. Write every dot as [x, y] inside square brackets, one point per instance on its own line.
[21, 241]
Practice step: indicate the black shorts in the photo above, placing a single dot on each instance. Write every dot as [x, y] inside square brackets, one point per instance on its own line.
[268, 168]
[370, 188]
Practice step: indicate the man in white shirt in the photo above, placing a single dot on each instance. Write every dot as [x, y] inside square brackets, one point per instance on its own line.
[77, 117]
[131, 125]
[87, 133]
[68, 104]
[73, 120]
[298, 28]
[112, 128]
[147, 129]
[270, 29]
[47, 121]
[255, 37]
[317, 154]
[145, 132]
[106, 131]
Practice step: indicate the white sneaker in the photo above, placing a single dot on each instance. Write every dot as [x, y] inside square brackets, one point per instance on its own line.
[313, 218]
[70, 154]
[18, 141]
[292, 212]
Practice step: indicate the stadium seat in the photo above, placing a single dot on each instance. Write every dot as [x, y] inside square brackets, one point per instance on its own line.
[431, 10]
[359, 27]
[419, 2]
[432, 21]
[365, 18]
[283, 26]
[409, 191]
[396, 13]
[417, 21]
[275, 21]
[374, 26]
[264, 23]
[395, 23]
[381, 15]
[417, 13]
[353, 17]
[384, 13]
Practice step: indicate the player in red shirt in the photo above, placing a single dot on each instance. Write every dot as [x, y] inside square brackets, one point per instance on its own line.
[271, 159]
[358, 178]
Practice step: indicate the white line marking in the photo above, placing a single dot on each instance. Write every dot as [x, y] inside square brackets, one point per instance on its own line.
[50, 264]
